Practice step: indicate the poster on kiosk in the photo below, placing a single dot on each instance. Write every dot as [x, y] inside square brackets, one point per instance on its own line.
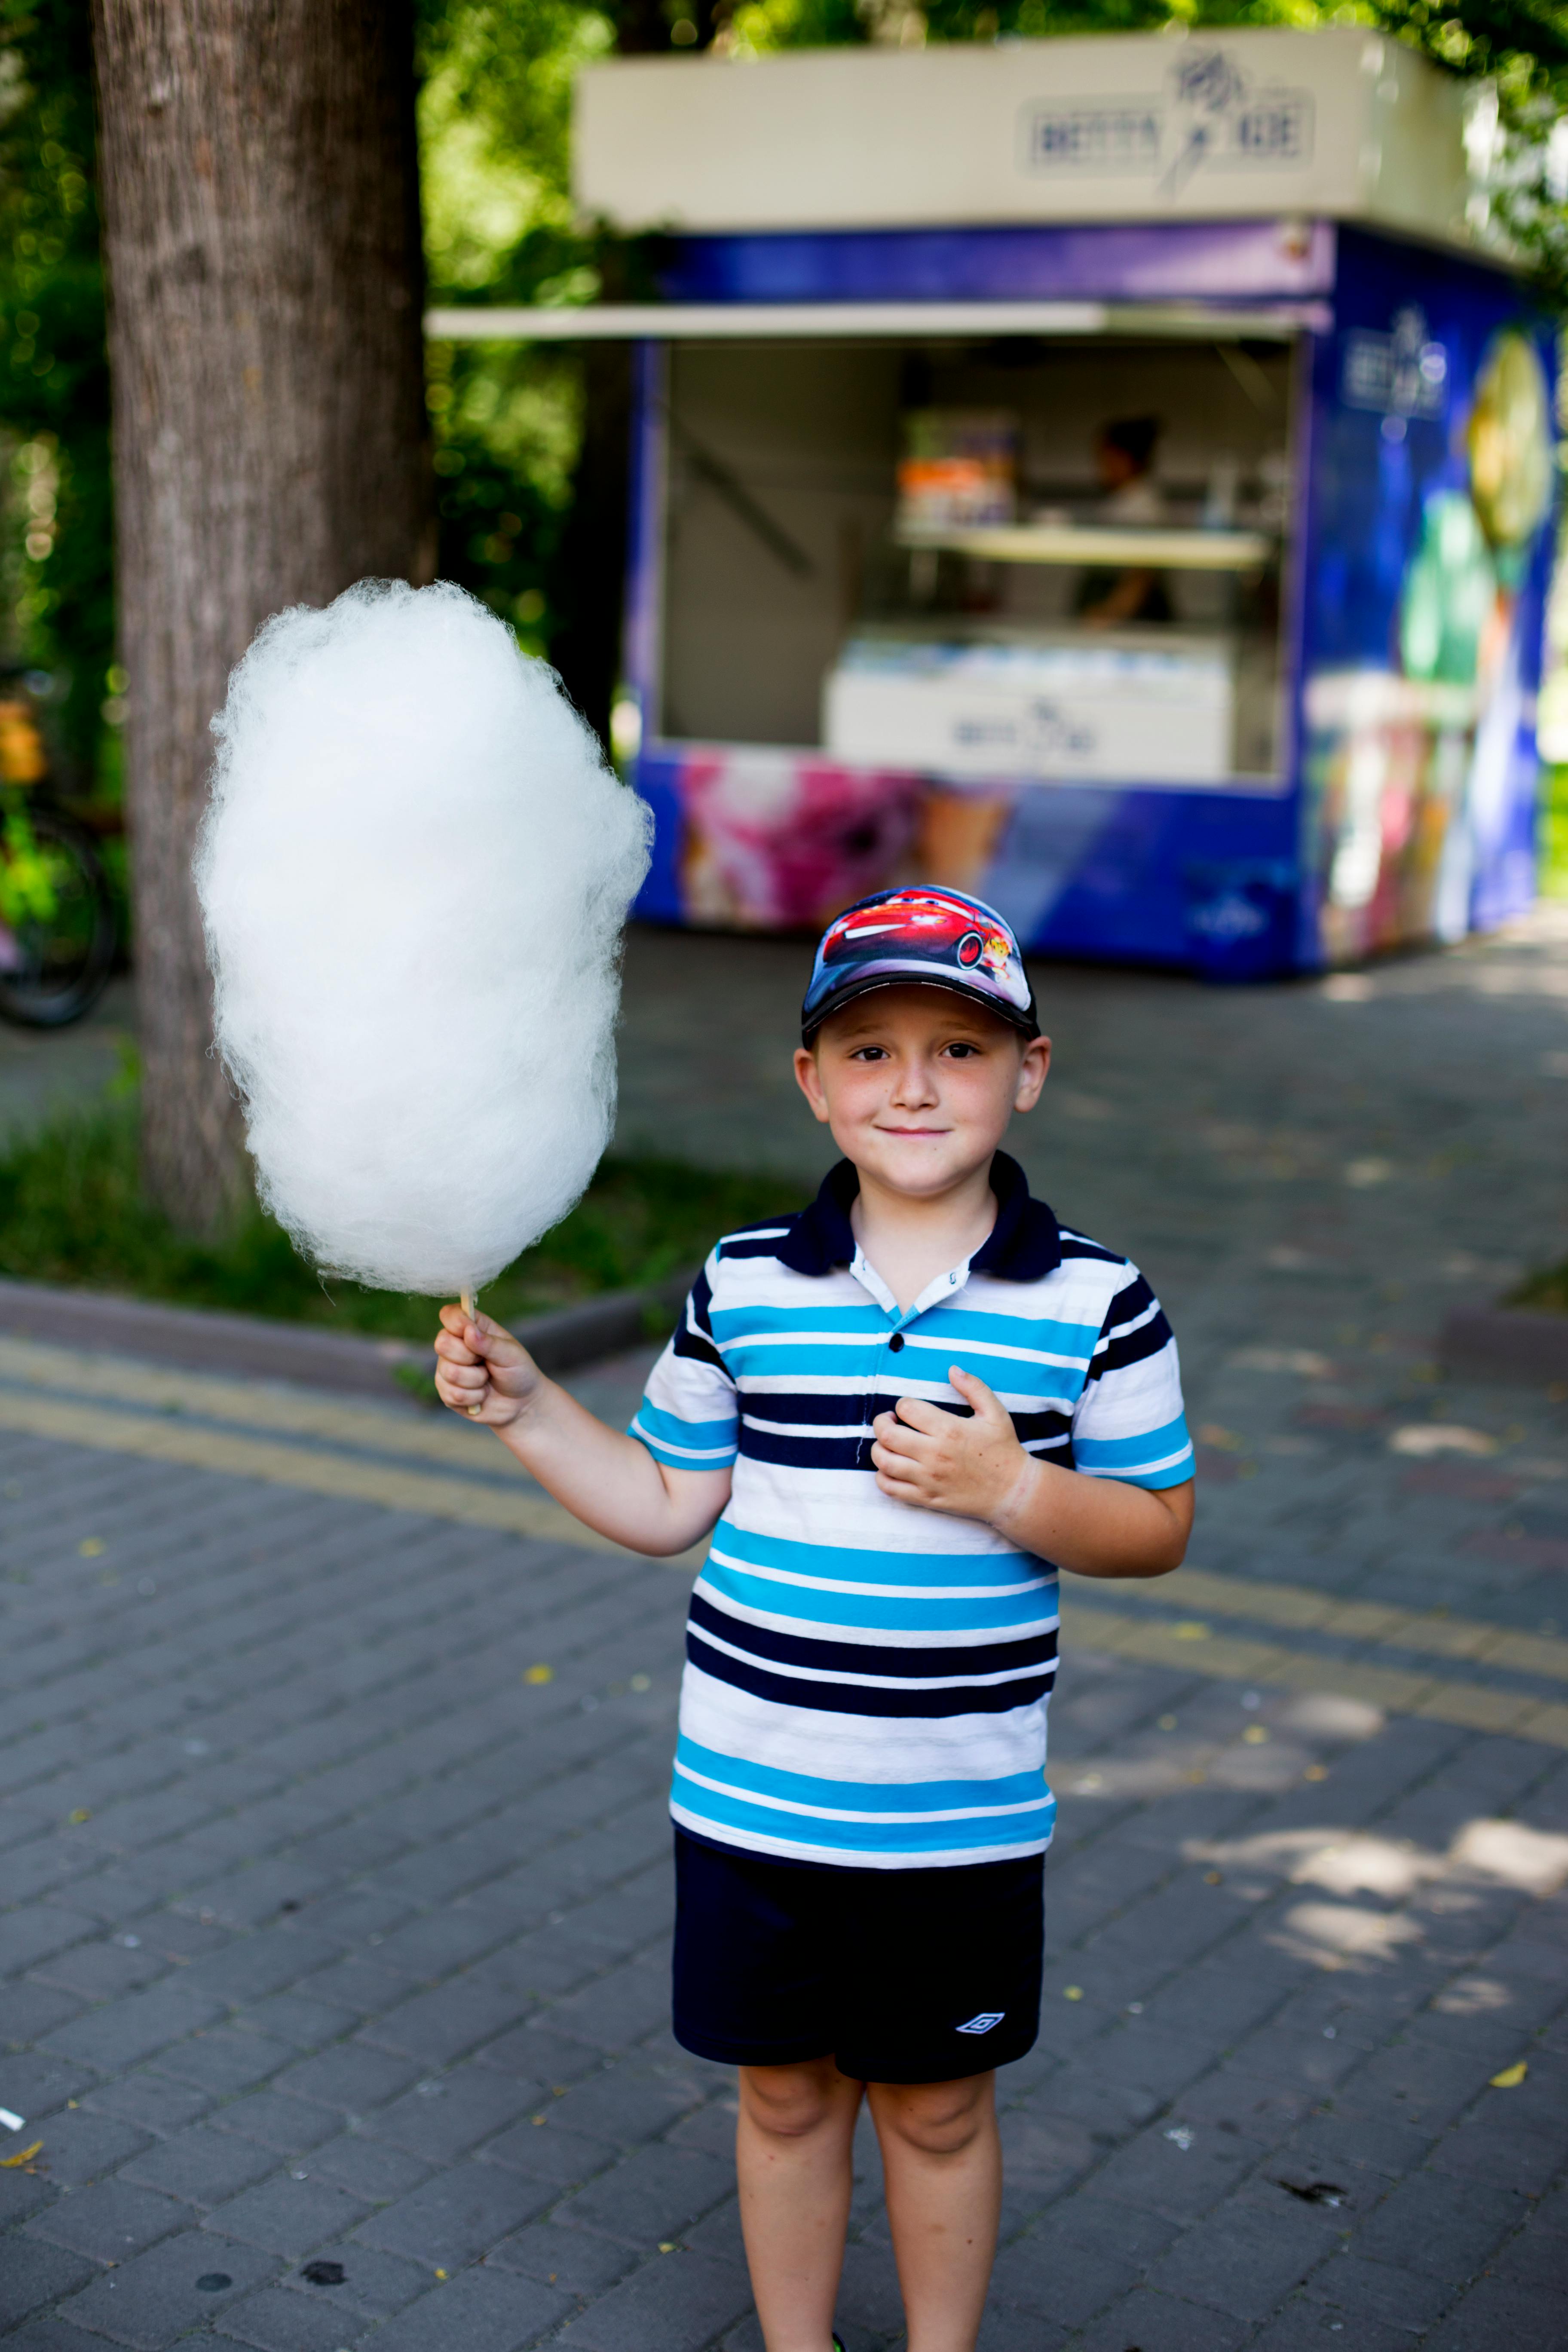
[1111, 477]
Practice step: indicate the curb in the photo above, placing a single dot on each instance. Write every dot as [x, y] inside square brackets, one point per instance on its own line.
[1505, 1343]
[249, 1348]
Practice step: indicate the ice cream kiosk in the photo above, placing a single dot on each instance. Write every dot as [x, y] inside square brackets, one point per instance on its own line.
[1112, 477]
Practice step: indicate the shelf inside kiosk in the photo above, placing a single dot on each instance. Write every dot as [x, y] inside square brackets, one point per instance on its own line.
[1030, 559]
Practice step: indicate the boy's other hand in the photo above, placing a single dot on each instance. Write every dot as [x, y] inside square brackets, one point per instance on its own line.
[482, 1371]
[927, 1456]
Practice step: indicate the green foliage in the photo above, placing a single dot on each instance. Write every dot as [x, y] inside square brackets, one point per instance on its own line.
[72, 1211]
[1553, 844]
[55, 567]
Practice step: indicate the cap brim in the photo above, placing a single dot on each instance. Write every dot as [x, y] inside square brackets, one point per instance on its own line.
[1024, 1019]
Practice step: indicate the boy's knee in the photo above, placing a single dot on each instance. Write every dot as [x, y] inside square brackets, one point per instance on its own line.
[792, 2101]
[935, 2118]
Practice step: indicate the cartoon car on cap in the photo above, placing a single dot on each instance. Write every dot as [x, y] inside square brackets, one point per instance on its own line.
[941, 929]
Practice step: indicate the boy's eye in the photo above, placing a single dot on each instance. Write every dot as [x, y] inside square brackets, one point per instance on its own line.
[869, 1053]
[962, 1049]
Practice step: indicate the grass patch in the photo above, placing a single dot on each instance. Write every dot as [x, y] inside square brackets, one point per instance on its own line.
[1548, 1290]
[72, 1211]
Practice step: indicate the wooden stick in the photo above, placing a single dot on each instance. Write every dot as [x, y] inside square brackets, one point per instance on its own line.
[465, 1301]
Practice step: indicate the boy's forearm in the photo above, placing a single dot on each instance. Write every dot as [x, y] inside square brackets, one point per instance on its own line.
[602, 1476]
[1096, 1527]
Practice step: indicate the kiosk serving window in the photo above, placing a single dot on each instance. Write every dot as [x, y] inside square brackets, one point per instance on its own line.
[1055, 560]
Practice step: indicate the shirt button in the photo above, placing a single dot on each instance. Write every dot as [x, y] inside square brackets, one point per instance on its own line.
[896, 1342]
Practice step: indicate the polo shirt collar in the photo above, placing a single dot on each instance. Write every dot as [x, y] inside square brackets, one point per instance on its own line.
[1023, 1245]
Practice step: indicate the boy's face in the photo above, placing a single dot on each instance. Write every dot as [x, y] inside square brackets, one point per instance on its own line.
[917, 1086]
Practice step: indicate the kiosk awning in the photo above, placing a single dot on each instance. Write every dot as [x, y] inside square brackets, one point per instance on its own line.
[863, 322]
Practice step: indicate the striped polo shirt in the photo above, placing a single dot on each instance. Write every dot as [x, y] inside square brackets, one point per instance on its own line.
[866, 1682]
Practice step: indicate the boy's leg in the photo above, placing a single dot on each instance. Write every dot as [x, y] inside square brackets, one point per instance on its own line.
[793, 2153]
[941, 2160]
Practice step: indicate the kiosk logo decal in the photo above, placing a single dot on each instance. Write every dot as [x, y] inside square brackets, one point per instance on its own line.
[1402, 374]
[1208, 119]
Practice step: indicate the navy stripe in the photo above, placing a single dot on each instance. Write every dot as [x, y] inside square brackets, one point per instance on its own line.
[804, 1453]
[810, 1409]
[849, 1698]
[871, 1658]
[1133, 1347]
[693, 1345]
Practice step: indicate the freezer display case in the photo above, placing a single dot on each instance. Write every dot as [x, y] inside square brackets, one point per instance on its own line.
[1153, 544]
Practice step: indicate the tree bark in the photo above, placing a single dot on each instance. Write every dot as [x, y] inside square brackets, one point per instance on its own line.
[261, 199]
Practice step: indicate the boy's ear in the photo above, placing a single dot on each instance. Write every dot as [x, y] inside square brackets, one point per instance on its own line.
[808, 1079]
[1032, 1069]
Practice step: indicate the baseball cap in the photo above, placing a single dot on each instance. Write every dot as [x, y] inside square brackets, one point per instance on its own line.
[920, 937]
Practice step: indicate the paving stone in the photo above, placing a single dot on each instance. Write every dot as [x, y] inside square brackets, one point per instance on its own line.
[112, 2222]
[1495, 2311]
[483, 2310]
[1444, 2227]
[1312, 2327]
[34, 2274]
[289, 2126]
[455, 2216]
[203, 2165]
[281, 2320]
[125, 2030]
[367, 2168]
[578, 2261]
[152, 2100]
[446, 2117]
[290, 2213]
[1083, 2253]
[630, 2104]
[80, 2147]
[24, 2194]
[51, 2336]
[549, 2151]
[150, 2301]
[1244, 2259]
[1359, 2289]
[654, 2195]
[679, 2302]
[373, 2283]
[1161, 2324]
[350, 2076]
[224, 2062]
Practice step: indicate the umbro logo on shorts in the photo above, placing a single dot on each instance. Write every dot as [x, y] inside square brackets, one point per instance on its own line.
[984, 2022]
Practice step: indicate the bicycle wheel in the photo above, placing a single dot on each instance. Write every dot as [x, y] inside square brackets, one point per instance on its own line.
[57, 920]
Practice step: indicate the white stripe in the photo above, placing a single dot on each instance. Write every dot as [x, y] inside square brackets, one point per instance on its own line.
[797, 1849]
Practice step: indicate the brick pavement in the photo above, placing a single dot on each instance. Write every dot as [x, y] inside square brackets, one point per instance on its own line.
[334, 1933]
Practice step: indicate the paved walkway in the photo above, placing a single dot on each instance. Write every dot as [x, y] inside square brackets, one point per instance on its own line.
[333, 1761]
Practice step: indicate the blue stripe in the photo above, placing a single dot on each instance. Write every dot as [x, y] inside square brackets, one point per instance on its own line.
[874, 1797]
[843, 1561]
[654, 1421]
[875, 1614]
[678, 1456]
[1039, 1334]
[1148, 1445]
[867, 1321]
[910, 1837]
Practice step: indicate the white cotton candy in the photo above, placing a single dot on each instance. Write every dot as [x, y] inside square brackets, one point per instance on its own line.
[414, 873]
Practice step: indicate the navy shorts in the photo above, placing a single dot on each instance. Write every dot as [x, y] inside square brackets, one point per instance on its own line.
[899, 1976]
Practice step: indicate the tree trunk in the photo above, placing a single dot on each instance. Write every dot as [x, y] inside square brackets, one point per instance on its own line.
[261, 199]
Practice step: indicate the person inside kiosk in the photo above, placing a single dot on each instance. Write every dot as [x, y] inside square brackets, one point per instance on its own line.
[1124, 453]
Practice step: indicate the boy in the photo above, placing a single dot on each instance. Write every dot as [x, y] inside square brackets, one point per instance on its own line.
[904, 1408]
